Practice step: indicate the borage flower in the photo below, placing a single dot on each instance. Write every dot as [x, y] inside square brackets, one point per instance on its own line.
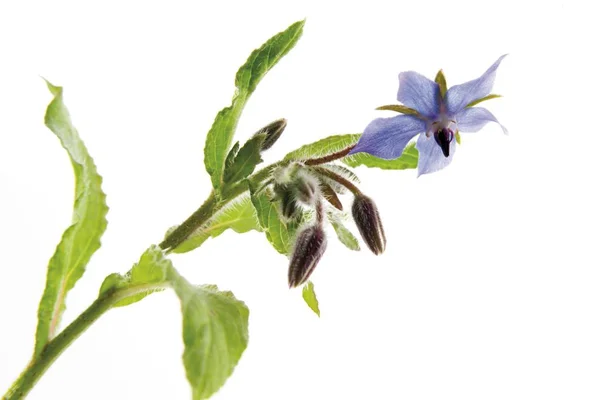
[435, 114]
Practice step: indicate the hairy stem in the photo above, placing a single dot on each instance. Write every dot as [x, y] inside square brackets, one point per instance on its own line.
[339, 179]
[331, 157]
[178, 236]
[38, 365]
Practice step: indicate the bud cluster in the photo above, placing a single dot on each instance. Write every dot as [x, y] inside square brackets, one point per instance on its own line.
[298, 186]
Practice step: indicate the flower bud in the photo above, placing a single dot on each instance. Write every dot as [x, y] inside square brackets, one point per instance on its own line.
[308, 250]
[272, 131]
[366, 217]
[306, 188]
[289, 206]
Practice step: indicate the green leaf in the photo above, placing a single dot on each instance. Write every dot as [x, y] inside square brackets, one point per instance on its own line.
[323, 147]
[231, 156]
[310, 297]
[440, 79]
[240, 216]
[408, 160]
[147, 276]
[245, 160]
[343, 234]
[279, 233]
[398, 108]
[248, 76]
[215, 334]
[215, 323]
[82, 238]
[488, 97]
[336, 143]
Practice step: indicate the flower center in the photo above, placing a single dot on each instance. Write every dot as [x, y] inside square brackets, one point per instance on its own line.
[443, 137]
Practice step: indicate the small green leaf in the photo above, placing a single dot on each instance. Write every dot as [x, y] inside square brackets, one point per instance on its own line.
[488, 97]
[82, 238]
[245, 160]
[215, 334]
[440, 79]
[310, 297]
[279, 233]
[248, 76]
[240, 216]
[408, 160]
[398, 108]
[143, 279]
[231, 156]
[343, 234]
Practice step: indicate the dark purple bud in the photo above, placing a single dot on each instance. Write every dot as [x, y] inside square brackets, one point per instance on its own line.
[443, 137]
[366, 217]
[273, 131]
[308, 250]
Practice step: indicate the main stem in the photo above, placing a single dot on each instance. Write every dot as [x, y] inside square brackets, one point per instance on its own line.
[38, 365]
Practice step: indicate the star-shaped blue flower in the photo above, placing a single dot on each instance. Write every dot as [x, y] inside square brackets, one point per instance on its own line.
[433, 113]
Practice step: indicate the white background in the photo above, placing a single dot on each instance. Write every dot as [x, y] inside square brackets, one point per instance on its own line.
[489, 285]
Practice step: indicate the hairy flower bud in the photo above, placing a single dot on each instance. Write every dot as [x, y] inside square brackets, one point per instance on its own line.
[289, 206]
[273, 131]
[366, 217]
[308, 250]
[306, 188]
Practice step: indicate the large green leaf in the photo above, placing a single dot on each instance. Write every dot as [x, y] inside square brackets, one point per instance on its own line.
[240, 216]
[82, 238]
[248, 76]
[310, 297]
[279, 233]
[215, 323]
[215, 334]
[408, 160]
[323, 147]
[336, 143]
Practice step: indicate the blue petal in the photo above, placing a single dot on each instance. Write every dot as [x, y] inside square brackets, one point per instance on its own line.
[420, 93]
[431, 158]
[473, 119]
[387, 137]
[459, 96]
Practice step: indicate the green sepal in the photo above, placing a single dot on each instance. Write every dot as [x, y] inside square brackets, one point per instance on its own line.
[440, 79]
[398, 108]
[343, 234]
[488, 97]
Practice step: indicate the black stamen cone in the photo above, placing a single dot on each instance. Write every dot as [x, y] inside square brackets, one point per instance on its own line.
[443, 138]
[308, 250]
[366, 217]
